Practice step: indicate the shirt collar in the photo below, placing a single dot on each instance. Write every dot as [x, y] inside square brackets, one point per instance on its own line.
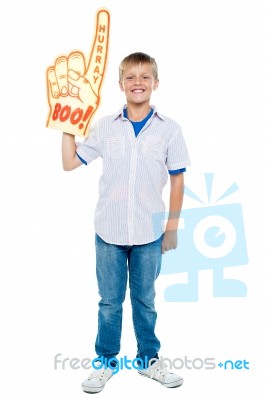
[121, 114]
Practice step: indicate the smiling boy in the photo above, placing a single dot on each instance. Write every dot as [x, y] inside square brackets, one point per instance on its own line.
[139, 147]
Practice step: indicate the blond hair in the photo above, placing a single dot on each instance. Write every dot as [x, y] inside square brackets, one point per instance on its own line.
[135, 59]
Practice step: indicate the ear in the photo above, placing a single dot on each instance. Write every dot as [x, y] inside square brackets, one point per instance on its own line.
[121, 86]
[156, 84]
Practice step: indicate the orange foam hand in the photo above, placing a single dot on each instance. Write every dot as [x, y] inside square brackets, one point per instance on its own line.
[73, 86]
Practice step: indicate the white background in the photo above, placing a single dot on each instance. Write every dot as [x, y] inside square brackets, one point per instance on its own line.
[212, 65]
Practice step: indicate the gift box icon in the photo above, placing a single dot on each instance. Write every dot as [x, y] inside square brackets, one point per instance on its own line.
[211, 237]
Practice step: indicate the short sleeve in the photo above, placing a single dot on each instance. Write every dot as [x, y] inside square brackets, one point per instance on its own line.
[176, 171]
[90, 148]
[177, 153]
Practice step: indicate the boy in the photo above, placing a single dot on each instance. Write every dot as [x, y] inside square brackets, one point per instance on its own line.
[137, 146]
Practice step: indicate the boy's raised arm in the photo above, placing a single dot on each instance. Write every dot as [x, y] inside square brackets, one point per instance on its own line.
[69, 159]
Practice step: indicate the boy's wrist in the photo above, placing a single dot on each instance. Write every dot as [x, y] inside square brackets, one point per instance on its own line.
[68, 134]
[172, 224]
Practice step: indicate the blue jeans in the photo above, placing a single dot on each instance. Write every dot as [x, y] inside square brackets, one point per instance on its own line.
[114, 264]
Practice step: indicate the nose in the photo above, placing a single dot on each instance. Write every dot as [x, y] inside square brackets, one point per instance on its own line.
[138, 80]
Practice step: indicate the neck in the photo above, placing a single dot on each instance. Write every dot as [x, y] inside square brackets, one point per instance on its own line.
[137, 112]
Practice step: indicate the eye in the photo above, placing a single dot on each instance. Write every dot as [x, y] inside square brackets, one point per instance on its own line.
[146, 77]
[129, 78]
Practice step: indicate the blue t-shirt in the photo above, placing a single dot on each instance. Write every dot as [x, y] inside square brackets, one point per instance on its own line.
[139, 124]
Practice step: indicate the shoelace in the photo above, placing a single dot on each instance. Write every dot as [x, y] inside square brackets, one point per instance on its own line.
[98, 373]
[158, 368]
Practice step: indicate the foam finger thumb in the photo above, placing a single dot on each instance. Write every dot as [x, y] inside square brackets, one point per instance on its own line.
[76, 80]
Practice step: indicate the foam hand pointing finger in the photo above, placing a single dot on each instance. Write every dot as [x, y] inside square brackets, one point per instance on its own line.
[73, 86]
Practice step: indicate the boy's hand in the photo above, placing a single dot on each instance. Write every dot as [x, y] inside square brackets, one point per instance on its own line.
[169, 241]
[73, 85]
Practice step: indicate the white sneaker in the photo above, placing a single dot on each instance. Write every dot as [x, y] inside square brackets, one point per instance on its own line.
[97, 379]
[160, 373]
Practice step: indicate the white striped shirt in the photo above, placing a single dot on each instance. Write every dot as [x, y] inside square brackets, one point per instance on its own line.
[134, 174]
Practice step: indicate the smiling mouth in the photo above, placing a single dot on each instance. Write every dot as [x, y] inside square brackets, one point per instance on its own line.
[137, 90]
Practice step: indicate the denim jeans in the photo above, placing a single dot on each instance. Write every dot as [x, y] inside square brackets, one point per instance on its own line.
[115, 265]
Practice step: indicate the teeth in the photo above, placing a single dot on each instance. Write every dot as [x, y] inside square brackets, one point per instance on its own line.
[138, 91]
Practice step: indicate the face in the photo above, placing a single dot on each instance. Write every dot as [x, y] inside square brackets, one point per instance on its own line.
[138, 82]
